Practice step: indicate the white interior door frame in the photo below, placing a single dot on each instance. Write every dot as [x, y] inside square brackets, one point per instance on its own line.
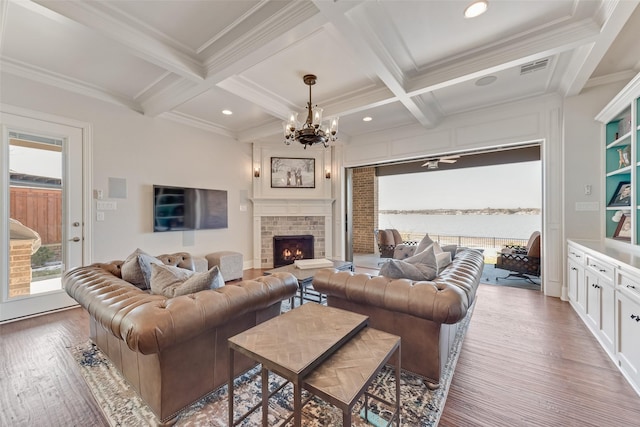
[13, 310]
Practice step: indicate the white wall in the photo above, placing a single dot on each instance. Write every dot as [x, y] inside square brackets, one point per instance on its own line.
[146, 151]
[583, 160]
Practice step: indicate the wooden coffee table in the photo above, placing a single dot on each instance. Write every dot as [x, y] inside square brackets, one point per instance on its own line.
[292, 345]
[330, 352]
[305, 279]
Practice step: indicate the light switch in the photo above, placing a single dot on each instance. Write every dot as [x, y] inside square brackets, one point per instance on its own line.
[99, 216]
[587, 190]
[106, 205]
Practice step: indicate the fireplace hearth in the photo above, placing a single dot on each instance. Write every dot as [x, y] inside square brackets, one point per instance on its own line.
[287, 249]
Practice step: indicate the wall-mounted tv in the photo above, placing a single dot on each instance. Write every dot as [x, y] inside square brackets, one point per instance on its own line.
[183, 208]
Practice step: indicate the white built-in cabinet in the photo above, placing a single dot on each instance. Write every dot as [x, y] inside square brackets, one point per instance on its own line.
[604, 289]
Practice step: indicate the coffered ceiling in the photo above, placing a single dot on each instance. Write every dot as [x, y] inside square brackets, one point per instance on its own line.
[399, 62]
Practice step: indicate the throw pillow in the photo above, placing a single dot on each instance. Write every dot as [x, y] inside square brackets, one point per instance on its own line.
[424, 243]
[452, 249]
[145, 262]
[443, 259]
[173, 281]
[131, 271]
[426, 257]
[398, 269]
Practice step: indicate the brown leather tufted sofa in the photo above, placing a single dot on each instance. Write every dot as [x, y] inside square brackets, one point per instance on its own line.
[424, 314]
[173, 351]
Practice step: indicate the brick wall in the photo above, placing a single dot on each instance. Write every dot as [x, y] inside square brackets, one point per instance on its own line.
[19, 267]
[365, 210]
[290, 226]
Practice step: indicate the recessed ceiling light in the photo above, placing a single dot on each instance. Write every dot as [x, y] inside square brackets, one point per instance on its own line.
[476, 8]
[227, 112]
[487, 80]
[367, 119]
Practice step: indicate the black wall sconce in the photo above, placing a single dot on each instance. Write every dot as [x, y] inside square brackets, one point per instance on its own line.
[256, 172]
[327, 174]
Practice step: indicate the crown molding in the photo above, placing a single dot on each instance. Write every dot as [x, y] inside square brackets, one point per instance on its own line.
[625, 76]
[140, 44]
[517, 52]
[235, 47]
[191, 121]
[50, 78]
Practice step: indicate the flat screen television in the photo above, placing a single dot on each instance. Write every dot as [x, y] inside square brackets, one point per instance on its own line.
[183, 208]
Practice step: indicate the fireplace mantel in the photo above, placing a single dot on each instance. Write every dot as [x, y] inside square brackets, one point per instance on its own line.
[278, 207]
[292, 207]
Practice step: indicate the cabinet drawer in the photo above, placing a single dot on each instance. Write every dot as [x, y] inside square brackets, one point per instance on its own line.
[630, 282]
[602, 268]
[576, 255]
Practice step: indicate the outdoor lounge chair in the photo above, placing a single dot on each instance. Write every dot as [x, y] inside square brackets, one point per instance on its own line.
[521, 261]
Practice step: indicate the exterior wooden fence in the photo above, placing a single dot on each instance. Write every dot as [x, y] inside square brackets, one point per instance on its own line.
[39, 209]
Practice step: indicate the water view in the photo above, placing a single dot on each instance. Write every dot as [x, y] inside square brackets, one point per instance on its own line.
[517, 225]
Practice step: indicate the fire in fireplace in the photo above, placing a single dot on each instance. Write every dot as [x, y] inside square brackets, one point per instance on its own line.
[287, 249]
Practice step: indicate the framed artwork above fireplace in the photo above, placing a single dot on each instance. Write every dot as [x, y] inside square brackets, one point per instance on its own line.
[289, 172]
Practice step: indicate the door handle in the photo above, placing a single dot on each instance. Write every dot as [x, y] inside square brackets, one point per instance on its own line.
[75, 239]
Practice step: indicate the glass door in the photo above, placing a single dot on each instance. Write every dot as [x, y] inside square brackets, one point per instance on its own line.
[42, 189]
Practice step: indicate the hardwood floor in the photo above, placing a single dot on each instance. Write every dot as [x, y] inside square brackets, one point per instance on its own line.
[527, 360]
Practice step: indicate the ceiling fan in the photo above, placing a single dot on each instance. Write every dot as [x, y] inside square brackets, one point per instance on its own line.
[433, 163]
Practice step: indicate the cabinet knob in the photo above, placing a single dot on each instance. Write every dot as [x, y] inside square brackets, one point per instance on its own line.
[574, 269]
[631, 286]
[602, 271]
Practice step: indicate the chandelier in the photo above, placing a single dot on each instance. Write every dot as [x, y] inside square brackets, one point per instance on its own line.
[312, 131]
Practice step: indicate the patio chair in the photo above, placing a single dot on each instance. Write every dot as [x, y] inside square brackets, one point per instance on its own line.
[522, 261]
[387, 241]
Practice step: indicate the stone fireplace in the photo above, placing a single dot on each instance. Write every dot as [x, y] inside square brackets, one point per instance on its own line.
[288, 249]
[290, 218]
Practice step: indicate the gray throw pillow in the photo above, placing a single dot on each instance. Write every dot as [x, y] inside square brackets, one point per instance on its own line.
[422, 266]
[426, 257]
[398, 269]
[145, 262]
[443, 259]
[452, 249]
[131, 271]
[424, 243]
[173, 281]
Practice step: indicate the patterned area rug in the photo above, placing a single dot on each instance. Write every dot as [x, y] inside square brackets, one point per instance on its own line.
[122, 406]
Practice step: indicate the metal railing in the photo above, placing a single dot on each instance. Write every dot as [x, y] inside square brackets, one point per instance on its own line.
[468, 241]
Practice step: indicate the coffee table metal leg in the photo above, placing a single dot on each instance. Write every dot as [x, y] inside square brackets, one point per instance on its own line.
[346, 417]
[301, 293]
[398, 374]
[230, 387]
[265, 396]
[297, 403]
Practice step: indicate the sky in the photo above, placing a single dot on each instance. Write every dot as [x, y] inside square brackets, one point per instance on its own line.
[515, 185]
[35, 162]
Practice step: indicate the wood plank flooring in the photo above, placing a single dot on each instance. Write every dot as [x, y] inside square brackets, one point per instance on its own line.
[527, 360]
